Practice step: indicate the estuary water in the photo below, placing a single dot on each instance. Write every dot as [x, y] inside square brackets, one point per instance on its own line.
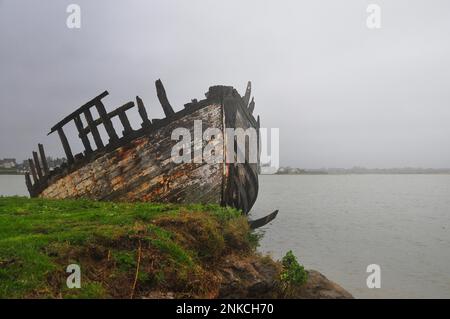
[340, 224]
[13, 185]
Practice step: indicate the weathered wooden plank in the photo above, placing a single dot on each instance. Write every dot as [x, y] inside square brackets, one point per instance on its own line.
[28, 182]
[161, 92]
[251, 106]
[37, 165]
[43, 160]
[191, 104]
[254, 224]
[82, 134]
[242, 186]
[248, 93]
[243, 200]
[79, 111]
[93, 128]
[127, 129]
[79, 157]
[143, 113]
[66, 146]
[33, 171]
[116, 112]
[121, 109]
[106, 121]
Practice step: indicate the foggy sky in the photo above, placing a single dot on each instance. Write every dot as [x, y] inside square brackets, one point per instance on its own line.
[341, 94]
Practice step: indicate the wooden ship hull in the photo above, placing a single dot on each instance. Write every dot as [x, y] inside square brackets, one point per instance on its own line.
[138, 166]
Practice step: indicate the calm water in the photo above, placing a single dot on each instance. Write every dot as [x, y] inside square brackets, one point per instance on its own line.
[11, 185]
[340, 224]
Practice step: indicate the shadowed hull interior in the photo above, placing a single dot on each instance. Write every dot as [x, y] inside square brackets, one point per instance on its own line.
[241, 185]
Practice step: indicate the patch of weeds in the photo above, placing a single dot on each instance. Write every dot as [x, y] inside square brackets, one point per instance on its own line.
[88, 290]
[222, 214]
[125, 260]
[254, 239]
[237, 235]
[159, 277]
[198, 233]
[159, 232]
[177, 253]
[293, 274]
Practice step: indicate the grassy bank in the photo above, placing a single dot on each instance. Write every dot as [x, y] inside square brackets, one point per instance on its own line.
[142, 250]
[123, 250]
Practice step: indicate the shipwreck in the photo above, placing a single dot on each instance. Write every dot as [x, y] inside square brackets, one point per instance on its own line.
[135, 165]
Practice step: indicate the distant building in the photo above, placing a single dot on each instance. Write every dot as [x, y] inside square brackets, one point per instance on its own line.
[8, 163]
[51, 162]
[290, 171]
[55, 162]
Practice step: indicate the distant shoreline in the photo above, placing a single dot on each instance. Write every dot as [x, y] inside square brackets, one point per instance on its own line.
[286, 170]
[386, 173]
[11, 173]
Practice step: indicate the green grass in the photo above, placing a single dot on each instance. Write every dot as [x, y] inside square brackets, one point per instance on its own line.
[39, 238]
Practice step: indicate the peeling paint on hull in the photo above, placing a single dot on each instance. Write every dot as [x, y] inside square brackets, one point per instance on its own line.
[143, 171]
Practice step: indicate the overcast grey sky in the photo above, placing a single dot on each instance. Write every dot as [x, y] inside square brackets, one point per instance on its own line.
[341, 94]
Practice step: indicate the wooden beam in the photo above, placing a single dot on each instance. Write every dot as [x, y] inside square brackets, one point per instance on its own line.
[38, 165]
[82, 134]
[161, 92]
[125, 123]
[93, 128]
[251, 106]
[79, 111]
[191, 104]
[43, 160]
[106, 121]
[65, 145]
[248, 93]
[33, 171]
[116, 112]
[28, 182]
[143, 112]
[79, 157]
